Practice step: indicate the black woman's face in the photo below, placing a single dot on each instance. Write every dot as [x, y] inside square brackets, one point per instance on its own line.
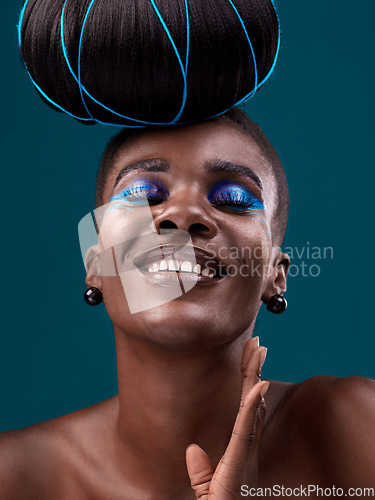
[212, 182]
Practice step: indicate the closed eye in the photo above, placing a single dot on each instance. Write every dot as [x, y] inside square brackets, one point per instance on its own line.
[142, 192]
[229, 195]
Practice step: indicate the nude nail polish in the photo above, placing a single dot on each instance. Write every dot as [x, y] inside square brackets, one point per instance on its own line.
[264, 389]
[262, 358]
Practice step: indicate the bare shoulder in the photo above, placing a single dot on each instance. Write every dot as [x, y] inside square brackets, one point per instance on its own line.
[335, 417]
[27, 457]
[38, 459]
[341, 398]
[12, 464]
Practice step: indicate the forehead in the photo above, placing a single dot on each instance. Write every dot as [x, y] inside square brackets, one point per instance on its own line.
[188, 149]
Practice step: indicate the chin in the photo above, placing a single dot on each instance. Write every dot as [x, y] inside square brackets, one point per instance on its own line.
[187, 326]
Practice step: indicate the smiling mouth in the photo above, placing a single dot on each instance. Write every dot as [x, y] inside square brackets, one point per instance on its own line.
[189, 262]
[185, 267]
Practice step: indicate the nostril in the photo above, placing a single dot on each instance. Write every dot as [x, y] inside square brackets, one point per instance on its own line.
[168, 224]
[198, 227]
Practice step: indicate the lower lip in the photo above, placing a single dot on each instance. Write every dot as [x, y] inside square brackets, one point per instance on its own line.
[168, 278]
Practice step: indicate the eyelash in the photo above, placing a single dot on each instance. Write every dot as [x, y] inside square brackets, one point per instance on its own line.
[233, 196]
[140, 194]
[223, 195]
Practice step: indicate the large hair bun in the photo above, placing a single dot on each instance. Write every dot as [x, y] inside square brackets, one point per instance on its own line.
[148, 62]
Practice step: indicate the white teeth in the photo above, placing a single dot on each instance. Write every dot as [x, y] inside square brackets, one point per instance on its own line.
[197, 269]
[173, 265]
[187, 267]
[163, 265]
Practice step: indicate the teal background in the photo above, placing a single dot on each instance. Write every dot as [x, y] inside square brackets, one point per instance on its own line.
[57, 354]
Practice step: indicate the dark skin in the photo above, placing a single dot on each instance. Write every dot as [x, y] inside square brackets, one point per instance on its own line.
[187, 366]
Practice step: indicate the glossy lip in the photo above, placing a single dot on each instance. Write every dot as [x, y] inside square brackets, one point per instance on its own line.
[188, 252]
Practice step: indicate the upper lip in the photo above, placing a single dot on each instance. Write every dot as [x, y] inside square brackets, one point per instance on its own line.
[180, 253]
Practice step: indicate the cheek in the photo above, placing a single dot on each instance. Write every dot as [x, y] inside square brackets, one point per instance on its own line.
[121, 226]
[249, 250]
[115, 300]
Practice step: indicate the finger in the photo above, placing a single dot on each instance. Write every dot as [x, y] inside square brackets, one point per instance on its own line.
[244, 443]
[249, 346]
[251, 372]
[200, 471]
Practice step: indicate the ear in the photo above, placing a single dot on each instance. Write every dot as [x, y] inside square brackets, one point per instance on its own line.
[92, 266]
[276, 280]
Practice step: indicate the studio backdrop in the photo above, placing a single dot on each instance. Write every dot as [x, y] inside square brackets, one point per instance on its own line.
[57, 354]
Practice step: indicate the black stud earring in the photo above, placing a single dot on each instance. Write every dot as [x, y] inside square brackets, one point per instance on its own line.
[277, 304]
[93, 296]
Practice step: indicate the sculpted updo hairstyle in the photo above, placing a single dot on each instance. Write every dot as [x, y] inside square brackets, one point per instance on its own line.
[136, 63]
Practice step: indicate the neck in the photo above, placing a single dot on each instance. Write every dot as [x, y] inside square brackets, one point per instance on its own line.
[170, 399]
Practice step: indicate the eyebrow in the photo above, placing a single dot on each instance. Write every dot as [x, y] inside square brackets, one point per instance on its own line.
[233, 168]
[148, 165]
[161, 165]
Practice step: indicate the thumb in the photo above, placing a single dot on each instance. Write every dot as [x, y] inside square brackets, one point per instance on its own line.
[200, 471]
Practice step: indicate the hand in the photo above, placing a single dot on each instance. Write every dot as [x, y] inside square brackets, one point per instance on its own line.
[240, 460]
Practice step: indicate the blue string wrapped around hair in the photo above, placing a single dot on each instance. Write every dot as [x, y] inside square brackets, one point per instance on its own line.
[136, 63]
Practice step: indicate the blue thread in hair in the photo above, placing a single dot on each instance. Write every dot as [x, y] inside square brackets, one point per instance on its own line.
[187, 37]
[143, 123]
[82, 87]
[80, 84]
[178, 57]
[79, 59]
[251, 48]
[256, 86]
[31, 78]
[22, 13]
[54, 103]
[248, 96]
[277, 50]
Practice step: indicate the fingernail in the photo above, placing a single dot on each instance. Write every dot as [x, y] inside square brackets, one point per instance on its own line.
[256, 341]
[264, 389]
[262, 358]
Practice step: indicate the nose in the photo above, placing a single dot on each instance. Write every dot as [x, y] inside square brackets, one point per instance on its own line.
[187, 212]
